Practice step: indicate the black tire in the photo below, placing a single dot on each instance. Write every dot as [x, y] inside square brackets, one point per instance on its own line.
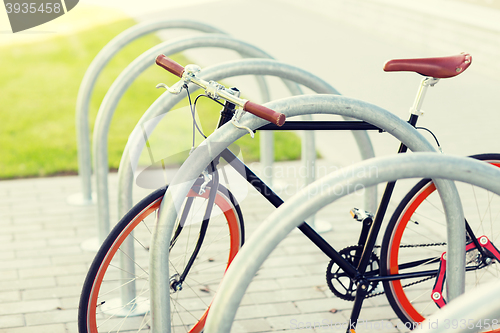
[416, 222]
[94, 317]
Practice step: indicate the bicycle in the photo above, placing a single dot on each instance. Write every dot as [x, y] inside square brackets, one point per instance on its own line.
[332, 187]
[219, 212]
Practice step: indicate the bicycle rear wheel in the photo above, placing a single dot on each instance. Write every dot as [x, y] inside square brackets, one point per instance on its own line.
[115, 295]
[415, 241]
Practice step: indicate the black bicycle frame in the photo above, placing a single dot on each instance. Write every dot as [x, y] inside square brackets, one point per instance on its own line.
[367, 239]
[369, 233]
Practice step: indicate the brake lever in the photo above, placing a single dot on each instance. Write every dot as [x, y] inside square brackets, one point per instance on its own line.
[175, 89]
[236, 122]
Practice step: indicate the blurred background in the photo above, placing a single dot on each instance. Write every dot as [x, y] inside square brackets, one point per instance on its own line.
[344, 42]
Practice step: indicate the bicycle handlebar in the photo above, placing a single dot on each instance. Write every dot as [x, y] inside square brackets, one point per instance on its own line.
[170, 65]
[216, 90]
[265, 113]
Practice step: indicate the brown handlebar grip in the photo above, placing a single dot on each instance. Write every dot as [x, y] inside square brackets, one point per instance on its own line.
[265, 113]
[169, 65]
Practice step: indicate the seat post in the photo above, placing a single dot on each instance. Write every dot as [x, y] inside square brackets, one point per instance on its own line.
[419, 99]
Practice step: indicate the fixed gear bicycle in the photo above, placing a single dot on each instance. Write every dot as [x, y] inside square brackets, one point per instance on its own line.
[358, 265]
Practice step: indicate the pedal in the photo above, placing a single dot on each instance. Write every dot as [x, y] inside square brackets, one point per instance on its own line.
[361, 215]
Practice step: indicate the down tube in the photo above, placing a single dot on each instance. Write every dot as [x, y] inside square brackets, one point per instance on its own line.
[276, 201]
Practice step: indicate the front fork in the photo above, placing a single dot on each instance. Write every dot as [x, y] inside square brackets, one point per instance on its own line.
[177, 280]
[485, 243]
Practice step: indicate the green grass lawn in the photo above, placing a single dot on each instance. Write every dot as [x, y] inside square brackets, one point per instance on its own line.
[39, 84]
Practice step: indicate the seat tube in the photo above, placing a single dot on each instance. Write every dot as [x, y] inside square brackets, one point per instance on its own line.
[386, 197]
[419, 99]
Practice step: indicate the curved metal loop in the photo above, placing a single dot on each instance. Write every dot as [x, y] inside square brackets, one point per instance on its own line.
[299, 105]
[90, 78]
[118, 88]
[323, 192]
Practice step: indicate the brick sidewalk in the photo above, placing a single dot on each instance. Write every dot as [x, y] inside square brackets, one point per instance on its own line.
[43, 266]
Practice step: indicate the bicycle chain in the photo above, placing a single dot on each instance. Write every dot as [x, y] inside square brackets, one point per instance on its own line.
[412, 283]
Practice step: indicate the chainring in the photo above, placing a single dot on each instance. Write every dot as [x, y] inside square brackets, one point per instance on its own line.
[340, 283]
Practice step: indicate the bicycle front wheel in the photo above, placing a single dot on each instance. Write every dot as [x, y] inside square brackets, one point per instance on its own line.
[415, 242]
[115, 295]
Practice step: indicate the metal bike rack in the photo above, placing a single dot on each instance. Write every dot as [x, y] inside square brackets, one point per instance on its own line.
[221, 71]
[105, 115]
[328, 189]
[299, 105]
[118, 88]
[87, 87]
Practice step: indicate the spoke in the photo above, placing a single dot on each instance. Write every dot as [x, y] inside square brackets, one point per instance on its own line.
[484, 271]
[175, 303]
[190, 277]
[140, 243]
[115, 313]
[122, 285]
[146, 225]
[416, 229]
[493, 238]
[216, 240]
[428, 303]
[488, 208]
[144, 322]
[198, 262]
[477, 208]
[438, 208]
[131, 259]
[196, 294]
[214, 255]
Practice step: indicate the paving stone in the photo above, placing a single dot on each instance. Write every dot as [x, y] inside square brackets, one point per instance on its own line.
[16, 228]
[23, 245]
[376, 325]
[62, 242]
[284, 295]
[52, 293]
[10, 296]
[251, 325]
[72, 327]
[12, 321]
[70, 302]
[52, 328]
[322, 305]
[7, 275]
[69, 280]
[24, 263]
[49, 281]
[302, 281]
[266, 310]
[289, 271]
[300, 259]
[304, 322]
[50, 252]
[70, 233]
[379, 312]
[7, 255]
[51, 317]
[28, 306]
[71, 257]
